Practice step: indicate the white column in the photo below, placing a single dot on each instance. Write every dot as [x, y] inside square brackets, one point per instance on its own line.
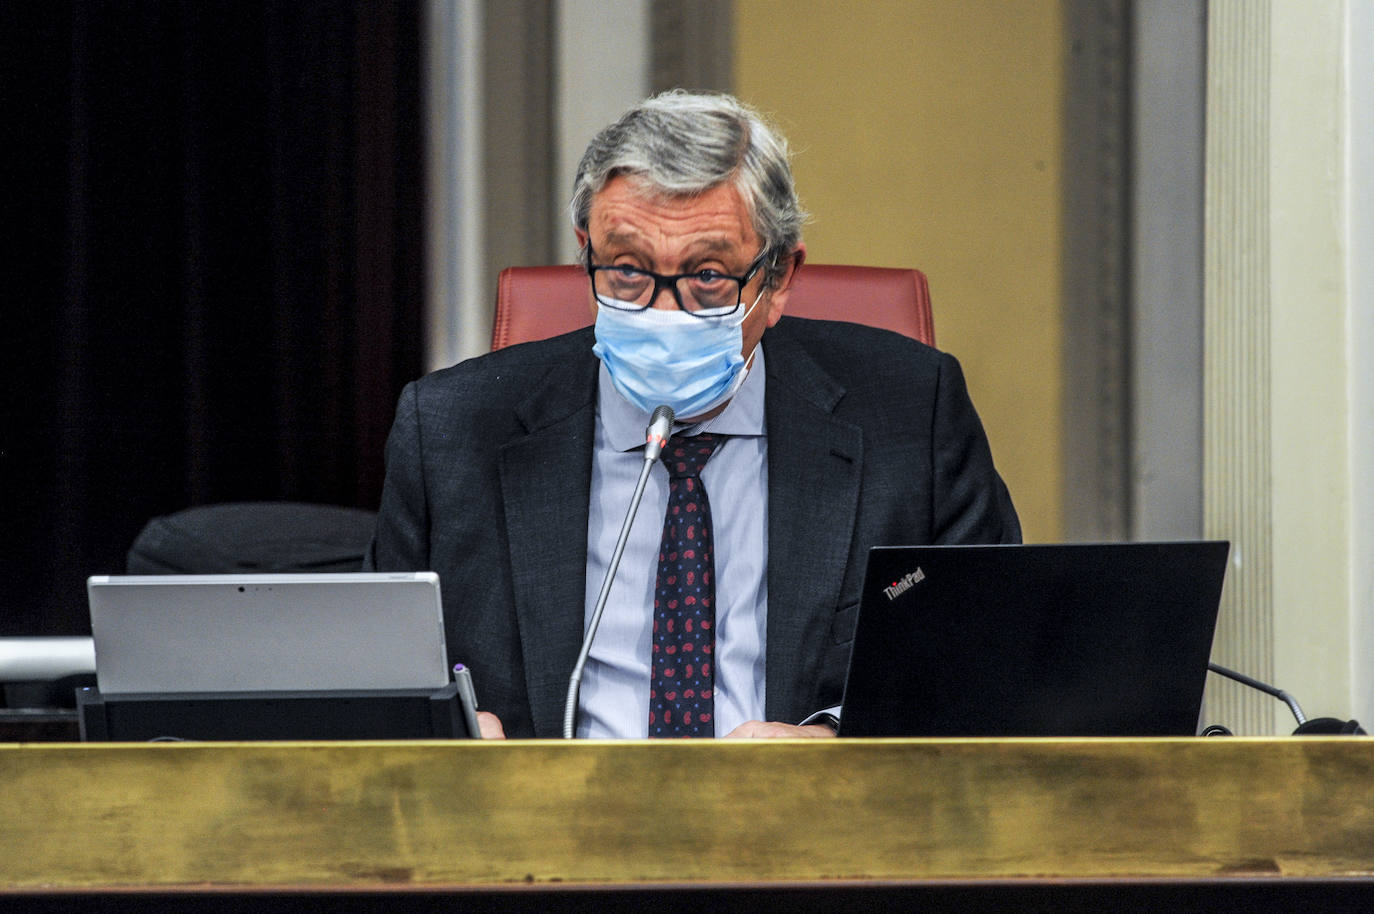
[458, 297]
[1277, 451]
[1359, 114]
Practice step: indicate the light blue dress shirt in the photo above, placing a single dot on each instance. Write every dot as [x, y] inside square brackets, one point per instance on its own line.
[614, 696]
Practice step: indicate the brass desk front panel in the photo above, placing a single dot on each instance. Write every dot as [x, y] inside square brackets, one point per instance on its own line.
[358, 816]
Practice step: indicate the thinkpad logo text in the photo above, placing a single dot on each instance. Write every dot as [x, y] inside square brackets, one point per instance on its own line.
[904, 583]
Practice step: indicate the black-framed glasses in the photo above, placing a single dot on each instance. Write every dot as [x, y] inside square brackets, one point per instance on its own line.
[705, 293]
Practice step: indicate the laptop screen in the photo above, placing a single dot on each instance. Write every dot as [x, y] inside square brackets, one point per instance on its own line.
[1041, 640]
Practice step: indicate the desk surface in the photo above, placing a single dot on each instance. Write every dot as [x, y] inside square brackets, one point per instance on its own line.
[431, 815]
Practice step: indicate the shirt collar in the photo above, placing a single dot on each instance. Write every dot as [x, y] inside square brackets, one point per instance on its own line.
[624, 423]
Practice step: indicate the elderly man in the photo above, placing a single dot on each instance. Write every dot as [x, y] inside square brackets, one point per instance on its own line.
[798, 445]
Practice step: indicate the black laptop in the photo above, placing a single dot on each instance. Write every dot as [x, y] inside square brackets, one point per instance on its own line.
[1042, 640]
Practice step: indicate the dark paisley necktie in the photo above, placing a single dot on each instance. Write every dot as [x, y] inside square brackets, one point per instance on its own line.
[682, 668]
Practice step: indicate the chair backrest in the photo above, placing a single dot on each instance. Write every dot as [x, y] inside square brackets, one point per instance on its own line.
[253, 537]
[534, 303]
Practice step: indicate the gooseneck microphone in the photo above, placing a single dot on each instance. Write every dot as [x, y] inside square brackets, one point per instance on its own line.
[1321, 726]
[1264, 687]
[656, 435]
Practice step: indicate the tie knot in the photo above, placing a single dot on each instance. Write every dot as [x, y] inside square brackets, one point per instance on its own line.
[685, 456]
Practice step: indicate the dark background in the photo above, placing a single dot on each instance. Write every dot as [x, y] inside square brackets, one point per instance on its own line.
[213, 251]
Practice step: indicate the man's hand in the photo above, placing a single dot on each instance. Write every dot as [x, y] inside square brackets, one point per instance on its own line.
[757, 729]
[490, 725]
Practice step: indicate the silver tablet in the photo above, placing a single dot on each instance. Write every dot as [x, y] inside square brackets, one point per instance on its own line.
[267, 632]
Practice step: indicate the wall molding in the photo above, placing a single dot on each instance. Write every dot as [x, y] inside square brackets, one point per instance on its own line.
[1096, 394]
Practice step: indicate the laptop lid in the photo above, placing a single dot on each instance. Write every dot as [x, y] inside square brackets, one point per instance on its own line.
[267, 632]
[1042, 640]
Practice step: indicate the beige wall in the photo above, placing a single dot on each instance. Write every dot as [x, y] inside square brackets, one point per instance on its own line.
[927, 133]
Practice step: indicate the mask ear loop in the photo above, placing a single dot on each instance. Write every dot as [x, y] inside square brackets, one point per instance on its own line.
[749, 361]
[750, 310]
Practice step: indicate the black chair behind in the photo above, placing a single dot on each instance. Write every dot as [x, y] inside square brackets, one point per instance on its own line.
[253, 538]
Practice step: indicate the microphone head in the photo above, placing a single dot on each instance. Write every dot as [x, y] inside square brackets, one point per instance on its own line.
[663, 416]
[656, 435]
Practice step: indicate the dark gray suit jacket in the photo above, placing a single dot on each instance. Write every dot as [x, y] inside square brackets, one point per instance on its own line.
[872, 440]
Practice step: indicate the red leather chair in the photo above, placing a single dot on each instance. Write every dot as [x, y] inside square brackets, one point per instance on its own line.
[534, 303]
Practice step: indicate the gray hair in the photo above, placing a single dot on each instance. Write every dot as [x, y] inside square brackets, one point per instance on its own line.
[678, 144]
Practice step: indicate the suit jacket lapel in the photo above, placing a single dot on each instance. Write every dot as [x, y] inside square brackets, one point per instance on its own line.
[545, 487]
[815, 464]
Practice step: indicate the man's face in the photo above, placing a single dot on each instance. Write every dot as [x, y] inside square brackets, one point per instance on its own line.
[682, 235]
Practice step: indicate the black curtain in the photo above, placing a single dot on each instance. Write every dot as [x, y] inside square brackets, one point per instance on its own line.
[213, 230]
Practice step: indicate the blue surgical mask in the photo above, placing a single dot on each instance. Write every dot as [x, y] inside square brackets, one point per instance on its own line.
[657, 356]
